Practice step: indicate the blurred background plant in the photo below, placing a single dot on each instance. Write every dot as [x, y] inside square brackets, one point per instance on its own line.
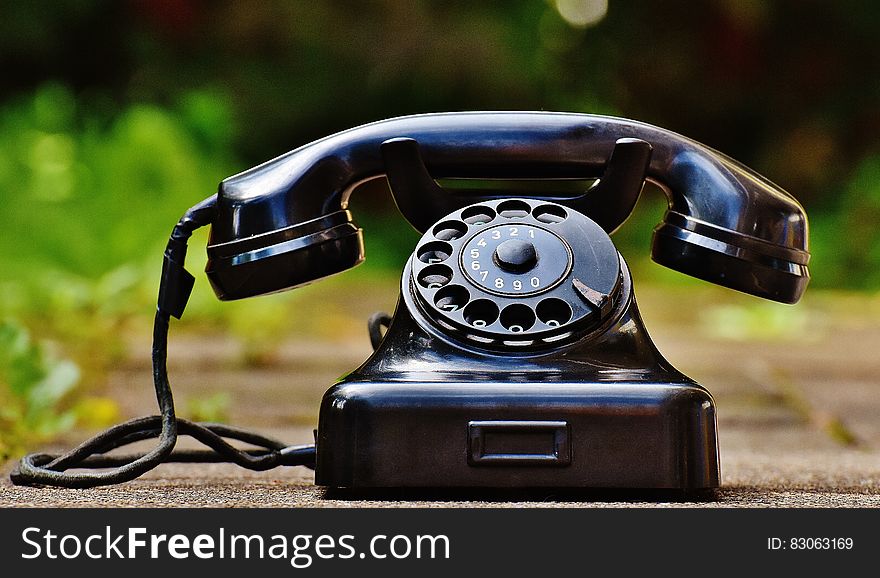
[35, 388]
[116, 116]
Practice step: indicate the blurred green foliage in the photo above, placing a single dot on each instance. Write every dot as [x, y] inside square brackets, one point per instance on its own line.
[88, 190]
[33, 385]
[117, 116]
[213, 408]
[846, 239]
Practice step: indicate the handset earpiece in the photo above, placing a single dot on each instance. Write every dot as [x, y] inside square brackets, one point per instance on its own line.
[284, 258]
[727, 225]
[285, 223]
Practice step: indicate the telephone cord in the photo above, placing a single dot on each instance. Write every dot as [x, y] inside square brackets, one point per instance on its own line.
[43, 469]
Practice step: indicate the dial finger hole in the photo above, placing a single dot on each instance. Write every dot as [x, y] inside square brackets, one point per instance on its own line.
[481, 313]
[553, 312]
[451, 298]
[550, 214]
[514, 209]
[450, 230]
[517, 318]
[434, 252]
[478, 215]
[434, 276]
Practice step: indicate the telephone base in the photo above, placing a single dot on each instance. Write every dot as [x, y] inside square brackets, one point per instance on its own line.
[517, 435]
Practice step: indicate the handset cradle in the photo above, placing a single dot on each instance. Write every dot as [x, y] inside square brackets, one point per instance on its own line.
[609, 202]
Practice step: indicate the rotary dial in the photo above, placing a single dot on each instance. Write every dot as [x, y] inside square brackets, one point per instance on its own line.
[514, 273]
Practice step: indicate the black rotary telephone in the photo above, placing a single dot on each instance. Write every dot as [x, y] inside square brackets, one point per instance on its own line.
[516, 356]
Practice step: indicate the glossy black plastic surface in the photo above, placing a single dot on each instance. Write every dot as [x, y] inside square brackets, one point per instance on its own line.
[285, 259]
[725, 223]
[607, 411]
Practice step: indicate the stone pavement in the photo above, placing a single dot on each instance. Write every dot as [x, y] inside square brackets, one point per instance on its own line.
[798, 398]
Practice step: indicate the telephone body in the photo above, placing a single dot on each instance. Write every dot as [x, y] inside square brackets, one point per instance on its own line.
[516, 356]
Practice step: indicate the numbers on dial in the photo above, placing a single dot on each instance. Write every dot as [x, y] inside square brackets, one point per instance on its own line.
[478, 260]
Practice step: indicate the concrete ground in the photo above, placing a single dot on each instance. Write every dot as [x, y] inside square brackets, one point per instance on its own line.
[797, 391]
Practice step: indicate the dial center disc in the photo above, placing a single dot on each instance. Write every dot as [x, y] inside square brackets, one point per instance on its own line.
[515, 259]
[516, 256]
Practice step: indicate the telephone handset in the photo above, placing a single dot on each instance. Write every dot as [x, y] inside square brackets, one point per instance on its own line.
[726, 224]
[516, 356]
